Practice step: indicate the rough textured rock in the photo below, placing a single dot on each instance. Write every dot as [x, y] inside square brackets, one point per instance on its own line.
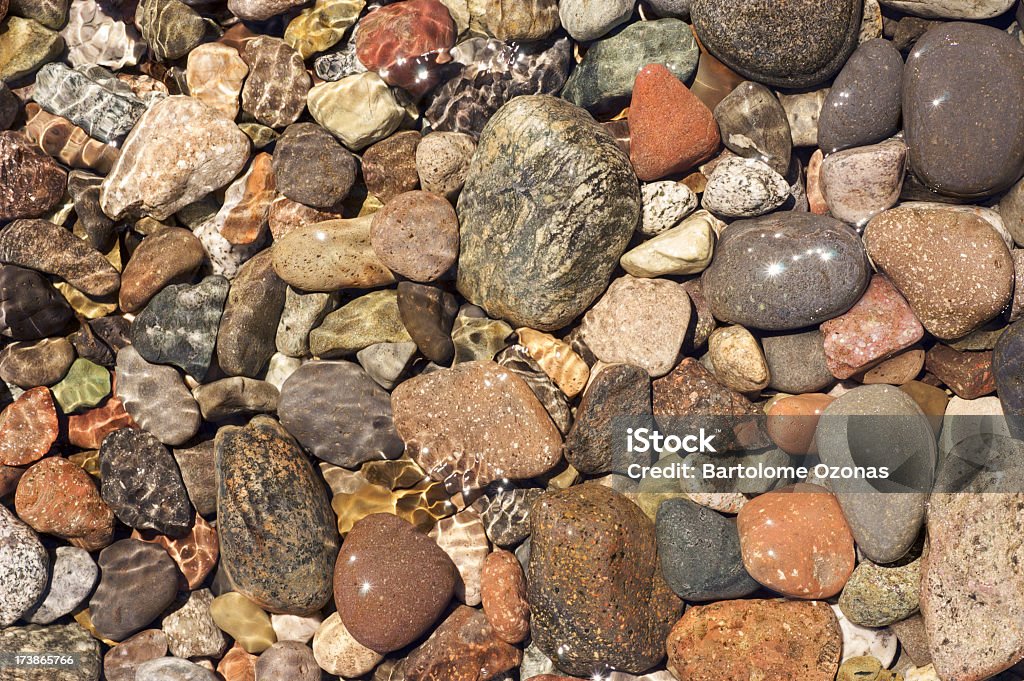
[67, 638]
[311, 167]
[73, 577]
[277, 532]
[57, 497]
[120, 662]
[191, 631]
[44, 246]
[462, 646]
[416, 235]
[248, 327]
[290, 659]
[753, 124]
[32, 183]
[503, 593]
[83, 96]
[24, 568]
[336, 651]
[28, 428]
[138, 580]
[156, 398]
[27, 45]
[389, 166]
[544, 282]
[442, 162]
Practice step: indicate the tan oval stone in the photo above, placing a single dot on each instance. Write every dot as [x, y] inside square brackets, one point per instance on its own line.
[359, 109]
[738, 360]
[244, 621]
[337, 652]
[331, 255]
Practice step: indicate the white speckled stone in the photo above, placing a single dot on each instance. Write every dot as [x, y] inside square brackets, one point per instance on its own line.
[744, 188]
[74, 575]
[24, 568]
[951, 9]
[665, 204]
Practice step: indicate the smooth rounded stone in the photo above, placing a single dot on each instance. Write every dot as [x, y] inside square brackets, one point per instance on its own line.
[156, 398]
[386, 363]
[639, 321]
[68, 639]
[967, 374]
[859, 641]
[812, 268]
[295, 627]
[503, 592]
[416, 235]
[506, 514]
[346, 433]
[863, 106]
[342, 62]
[166, 257]
[873, 426]
[1011, 210]
[476, 336]
[320, 27]
[791, 422]
[757, 40]
[90, 98]
[195, 553]
[57, 497]
[428, 314]
[179, 151]
[301, 313]
[389, 166]
[377, 548]
[138, 580]
[952, 290]
[595, 587]
[214, 74]
[473, 424]
[28, 428]
[191, 631]
[73, 576]
[586, 21]
[604, 79]
[121, 661]
[617, 393]
[278, 538]
[25, 46]
[369, 319]
[796, 541]
[744, 188]
[405, 43]
[878, 595]
[170, 28]
[32, 182]
[248, 328]
[46, 247]
[933, 402]
[753, 124]
[777, 639]
[737, 359]
[244, 621]
[951, 9]
[442, 162]
[331, 255]
[173, 669]
[99, 230]
[179, 325]
[235, 395]
[543, 283]
[287, 659]
[699, 551]
[24, 568]
[681, 250]
[797, 363]
[311, 167]
[142, 483]
[860, 183]
[336, 651]
[236, 665]
[359, 109]
[197, 468]
[463, 538]
[9, 107]
[30, 307]
[665, 205]
[260, 10]
[968, 69]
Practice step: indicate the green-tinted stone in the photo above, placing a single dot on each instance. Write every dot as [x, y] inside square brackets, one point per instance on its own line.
[477, 336]
[86, 385]
[25, 45]
[366, 321]
[877, 595]
[260, 135]
[605, 77]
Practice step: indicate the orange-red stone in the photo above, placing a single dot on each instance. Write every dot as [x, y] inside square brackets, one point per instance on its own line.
[57, 497]
[196, 553]
[503, 592]
[87, 430]
[237, 665]
[796, 541]
[670, 129]
[792, 421]
[28, 428]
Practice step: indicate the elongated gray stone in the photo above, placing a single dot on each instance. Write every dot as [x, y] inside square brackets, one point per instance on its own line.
[156, 398]
[106, 115]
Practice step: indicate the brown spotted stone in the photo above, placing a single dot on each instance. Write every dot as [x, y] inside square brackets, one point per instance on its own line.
[796, 541]
[169, 256]
[389, 166]
[503, 591]
[31, 183]
[463, 648]
[968, 374]
[416, 235]
[28, 428]
[57, 497]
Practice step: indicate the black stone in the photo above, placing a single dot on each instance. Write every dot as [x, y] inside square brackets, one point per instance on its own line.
[311, 167]
[30, 307]
[99, 229]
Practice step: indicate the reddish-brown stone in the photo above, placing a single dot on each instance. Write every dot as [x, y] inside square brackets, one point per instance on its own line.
[756, 639]
[245, 221]
[87, 430]
[967, 374]
[57, 497]
[28, 428]
[670, 129]
[389, 166]
[880, 324]
[463, 648]
[503, 591]
[31, 183]
[196, 553]
[792, 421]
[237, 665]
[796, 541]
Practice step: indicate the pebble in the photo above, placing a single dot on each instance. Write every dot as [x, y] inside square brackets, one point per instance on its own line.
[260, 10]
[442, 162]
[30, 308]
[516, 358]
[296, 627]
[506, 514]
[178, 152]
[878, 595]
[463, 538]
[165, 257]
[964, 67]
[358, 109]
[370, 319]
[235, 395]
[951, 290]
[320, 27]
[951, 9]
[346, 433]
[777, 639]
[28, 428]
[681, 250]
[121, 661]
[191, 631]
[387, 363]
[744, 187]
[503, 591]
[616, 391]
[859, 641]
[754, 125]
[797, 362]
[785, 291]
[336, 651]
[311, 167]
[59, 498]
[138, 580]
[389, 166]
[459, 648]
[244, 217]
[73, 577]
[416, 235]
[557, 359]
[428, 314]
[63, 140]
[327, 256]
[797, 542]
[476, 336]
[593, 568]
[828, 35]
[968, 374]
[70, 639]
[32, 182]
[84, 97]
[283, 564]
[237, 665]
[248, 328]
[179, 325]
[301, 313]
[287, 659]
[25, 569]
[195, 553]
[244, 621]
[604, 79]
[738, 361]
[171, 28]
[860, 183]
[156, 398]
[585, 21]
[26, 46]
[792, 421]
[543, 133]
[142, 483]
[387, 565]
[173, 669]
[863, 106]
[215, 73]
[46, 247]
[666, 204]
